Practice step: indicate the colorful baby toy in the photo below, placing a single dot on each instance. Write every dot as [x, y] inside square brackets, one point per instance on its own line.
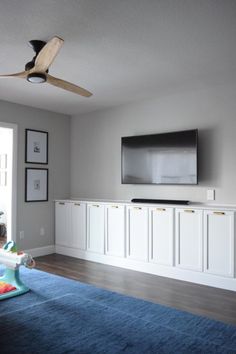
[10, 283]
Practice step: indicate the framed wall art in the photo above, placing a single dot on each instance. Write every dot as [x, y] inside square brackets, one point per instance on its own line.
[36, 146]
[36, 184]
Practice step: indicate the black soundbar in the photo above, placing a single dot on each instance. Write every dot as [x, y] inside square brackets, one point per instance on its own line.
[159, 201]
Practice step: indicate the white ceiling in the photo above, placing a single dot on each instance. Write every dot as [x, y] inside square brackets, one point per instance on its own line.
[121, 50]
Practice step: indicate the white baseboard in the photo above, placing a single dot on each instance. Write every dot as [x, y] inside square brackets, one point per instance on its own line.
[41, 251]
[152, 268]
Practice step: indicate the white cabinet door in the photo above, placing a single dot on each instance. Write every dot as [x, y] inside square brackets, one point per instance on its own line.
[137, 233]
[189, 239]
[161, 235]
[63, 223]
[95, 228]
[78, 225]
[219, 242]
[115, 230]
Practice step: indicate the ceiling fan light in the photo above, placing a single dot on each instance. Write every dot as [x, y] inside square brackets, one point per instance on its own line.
[36, 78]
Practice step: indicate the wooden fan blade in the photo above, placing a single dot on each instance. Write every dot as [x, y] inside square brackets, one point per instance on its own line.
[21, 75]
[65, 85]
[47, 54]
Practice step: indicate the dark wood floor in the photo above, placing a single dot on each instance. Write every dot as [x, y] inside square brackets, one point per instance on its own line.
[198, 299]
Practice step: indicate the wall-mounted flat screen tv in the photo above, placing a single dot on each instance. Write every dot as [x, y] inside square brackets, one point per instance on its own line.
[168, 158]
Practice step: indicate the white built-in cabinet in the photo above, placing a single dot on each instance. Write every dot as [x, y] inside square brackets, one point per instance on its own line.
[71, 224]
[137, 233]
[181, 239]
[63, 223]
[115, 230]
[161, 235]
[78, 225]
[219, 242]
[189, 239]
[96, 228]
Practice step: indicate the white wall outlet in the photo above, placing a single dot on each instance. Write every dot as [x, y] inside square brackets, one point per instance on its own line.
[42, 231]
[210, 194]
[22, 235]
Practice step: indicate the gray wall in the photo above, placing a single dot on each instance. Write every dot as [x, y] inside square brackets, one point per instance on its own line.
[32, 216]
[95, 144]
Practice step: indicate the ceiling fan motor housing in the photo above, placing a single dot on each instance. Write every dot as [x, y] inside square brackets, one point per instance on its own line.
[30, 64]
[36, 45]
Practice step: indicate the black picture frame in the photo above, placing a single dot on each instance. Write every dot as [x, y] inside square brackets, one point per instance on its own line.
[36, 184]
[36, 146]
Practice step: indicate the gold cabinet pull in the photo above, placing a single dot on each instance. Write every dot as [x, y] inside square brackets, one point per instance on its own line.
[160, 209]
[77, 204]
[218, 213]
[95, 205]
[61, 203]
[189, 211]
[139, 208]
[115, 206]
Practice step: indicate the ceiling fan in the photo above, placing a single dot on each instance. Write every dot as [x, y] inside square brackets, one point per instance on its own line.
[36, 71]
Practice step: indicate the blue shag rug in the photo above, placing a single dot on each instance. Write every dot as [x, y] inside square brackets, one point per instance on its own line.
[60, 315]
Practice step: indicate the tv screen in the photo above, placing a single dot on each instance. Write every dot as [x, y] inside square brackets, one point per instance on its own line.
[169, 158]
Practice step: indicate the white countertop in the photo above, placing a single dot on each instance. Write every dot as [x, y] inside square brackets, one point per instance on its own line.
[196, 205]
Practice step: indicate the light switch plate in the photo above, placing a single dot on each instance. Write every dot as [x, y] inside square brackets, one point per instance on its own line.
[210, 194]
